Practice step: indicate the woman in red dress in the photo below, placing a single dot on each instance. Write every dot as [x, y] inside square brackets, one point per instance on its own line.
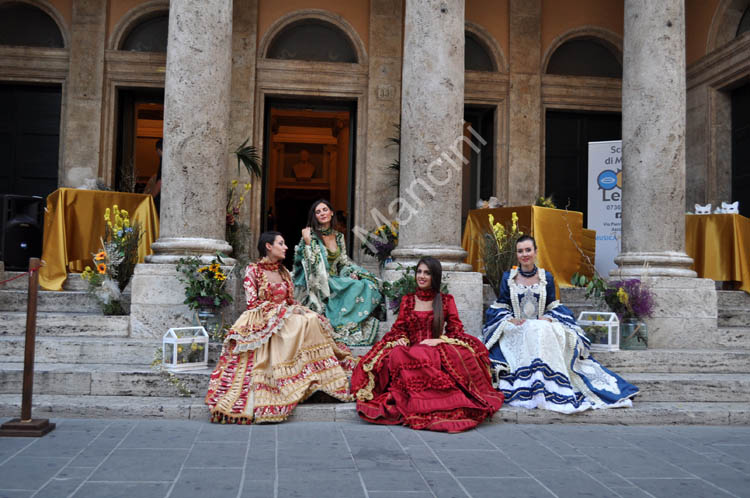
[426, 372]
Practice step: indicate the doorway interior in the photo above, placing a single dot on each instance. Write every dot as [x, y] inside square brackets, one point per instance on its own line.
[29, 139]
[309, 153]
[566, 156]
[479, 176]
[741, 148]
[140, 123]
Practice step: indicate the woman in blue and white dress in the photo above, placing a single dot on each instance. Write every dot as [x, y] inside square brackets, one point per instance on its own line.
[539, 355]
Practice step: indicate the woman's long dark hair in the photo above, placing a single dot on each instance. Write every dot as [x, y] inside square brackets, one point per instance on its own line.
[266, 238]
[312, 221]
[436, 272]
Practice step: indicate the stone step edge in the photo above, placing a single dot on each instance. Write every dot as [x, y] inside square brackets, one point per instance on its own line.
[643, 413]
[128, 368]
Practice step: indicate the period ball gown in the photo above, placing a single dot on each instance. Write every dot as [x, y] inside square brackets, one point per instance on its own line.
[276, 355]
[440, 388]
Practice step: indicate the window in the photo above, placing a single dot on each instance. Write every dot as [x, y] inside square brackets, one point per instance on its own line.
[744, 23]
[312, 40]
[149, 35]
[25, 25]
[585, 57]
[476, 55]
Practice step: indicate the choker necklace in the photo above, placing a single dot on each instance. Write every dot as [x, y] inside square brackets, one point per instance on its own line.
[266, 264]
[326, 231]
[528, 274]
[426, 294]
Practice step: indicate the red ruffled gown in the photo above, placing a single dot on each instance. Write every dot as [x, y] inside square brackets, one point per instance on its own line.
[444, 388]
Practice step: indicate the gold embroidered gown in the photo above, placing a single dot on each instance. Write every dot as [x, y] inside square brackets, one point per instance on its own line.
[276, 355]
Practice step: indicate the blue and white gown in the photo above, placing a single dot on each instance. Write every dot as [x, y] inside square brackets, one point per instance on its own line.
[546, 364]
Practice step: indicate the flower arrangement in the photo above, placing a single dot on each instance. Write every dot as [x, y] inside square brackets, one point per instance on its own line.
[115, 262]
[630, 298]
[204, 284]
[236, 232]
[499, 249]
[407, 284]
[380, 242]
[546, 202]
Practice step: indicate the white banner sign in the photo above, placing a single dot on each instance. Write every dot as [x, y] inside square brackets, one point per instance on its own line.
[605, 201]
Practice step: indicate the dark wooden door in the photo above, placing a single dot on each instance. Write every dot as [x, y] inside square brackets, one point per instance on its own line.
[741, 148]
[29, 139]
[566, 158]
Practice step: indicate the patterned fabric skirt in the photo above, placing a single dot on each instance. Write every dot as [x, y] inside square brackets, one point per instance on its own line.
[443, 388]
[266, 383]
[540, 365]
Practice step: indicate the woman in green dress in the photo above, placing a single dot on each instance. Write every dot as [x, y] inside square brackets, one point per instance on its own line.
[328, 282]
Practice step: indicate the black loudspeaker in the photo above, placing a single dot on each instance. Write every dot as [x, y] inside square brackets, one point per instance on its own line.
[21, 229]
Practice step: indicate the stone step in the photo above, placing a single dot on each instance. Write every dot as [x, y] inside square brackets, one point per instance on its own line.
[141, 380]
[734, 317]
[101, 380]
[733, 299]
[103, 350]
[642, 413]
[676, 361]
[66, 324]
[686, 387]
[16, 281]
[71, 301]
[74, 282]
[734, 338]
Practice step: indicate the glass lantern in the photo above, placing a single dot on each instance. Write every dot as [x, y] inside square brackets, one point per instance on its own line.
[602, 328]
[185, 348]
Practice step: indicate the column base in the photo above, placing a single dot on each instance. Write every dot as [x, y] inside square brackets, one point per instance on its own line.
[170, 250]
[157, 301]
[656, 264]
[451, 257]
[685, 314]
[465, 287]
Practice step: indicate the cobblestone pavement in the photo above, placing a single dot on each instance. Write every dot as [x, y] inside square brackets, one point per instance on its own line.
[185, 459]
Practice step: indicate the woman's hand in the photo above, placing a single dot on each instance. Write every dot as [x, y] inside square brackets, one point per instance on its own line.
[354, 276]
[547, 318]
[516, 321]
[431, 342]
[298, 310]
[306, 235]
[402, 342]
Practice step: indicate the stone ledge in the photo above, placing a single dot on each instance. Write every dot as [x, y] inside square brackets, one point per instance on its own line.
[642, 413]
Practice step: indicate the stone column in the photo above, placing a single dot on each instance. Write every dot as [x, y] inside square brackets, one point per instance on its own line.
[83, 95]
[525, 102]
[194, 169]
[432, 148]
[653, 208]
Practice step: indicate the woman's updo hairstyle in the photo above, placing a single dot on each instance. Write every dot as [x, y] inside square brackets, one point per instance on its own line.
[266, 238]
[524, 238]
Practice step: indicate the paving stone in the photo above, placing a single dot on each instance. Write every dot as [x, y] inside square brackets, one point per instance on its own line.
[141, 465]
[463, 463]
[571, 483]
[443, 485]
[684, 488]
[207, 483]
[485, 487]
[59, 444]
[257, 489]
[212, 455]
[24, 473]
[123, 490]
[405, 479]
[634, 463]
[336, 483]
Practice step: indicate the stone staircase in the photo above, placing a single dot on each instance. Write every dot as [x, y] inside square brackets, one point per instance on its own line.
[87, 365]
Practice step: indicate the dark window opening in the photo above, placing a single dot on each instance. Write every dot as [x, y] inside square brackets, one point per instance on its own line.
[584, 57]
[476, 55]
[744, 23]
[741, 148]
[312, 40]
[28, 26]
[148, 36]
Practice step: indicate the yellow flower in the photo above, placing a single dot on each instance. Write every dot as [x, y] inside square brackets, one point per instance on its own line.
[202, 269]
[179, 349]
[100, 255]
[215, 268]
[106, 214]
[235, 183]
[247, 186]
[220, 277]
[101, 268]
[622, 296]
[124, 214]
[194, 346]
[514, 219]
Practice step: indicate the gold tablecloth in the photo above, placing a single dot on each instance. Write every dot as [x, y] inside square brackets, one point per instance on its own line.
[720, 247]
[74, 224]
[552, 229]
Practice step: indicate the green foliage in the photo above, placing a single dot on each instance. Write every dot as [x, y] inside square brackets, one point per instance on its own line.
[204, 284]
[407, 284]
[547, 202]
[247, 155]
[595, 286]
[498, 249]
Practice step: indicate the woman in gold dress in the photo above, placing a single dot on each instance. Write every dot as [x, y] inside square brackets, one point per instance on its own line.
[277, 353]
